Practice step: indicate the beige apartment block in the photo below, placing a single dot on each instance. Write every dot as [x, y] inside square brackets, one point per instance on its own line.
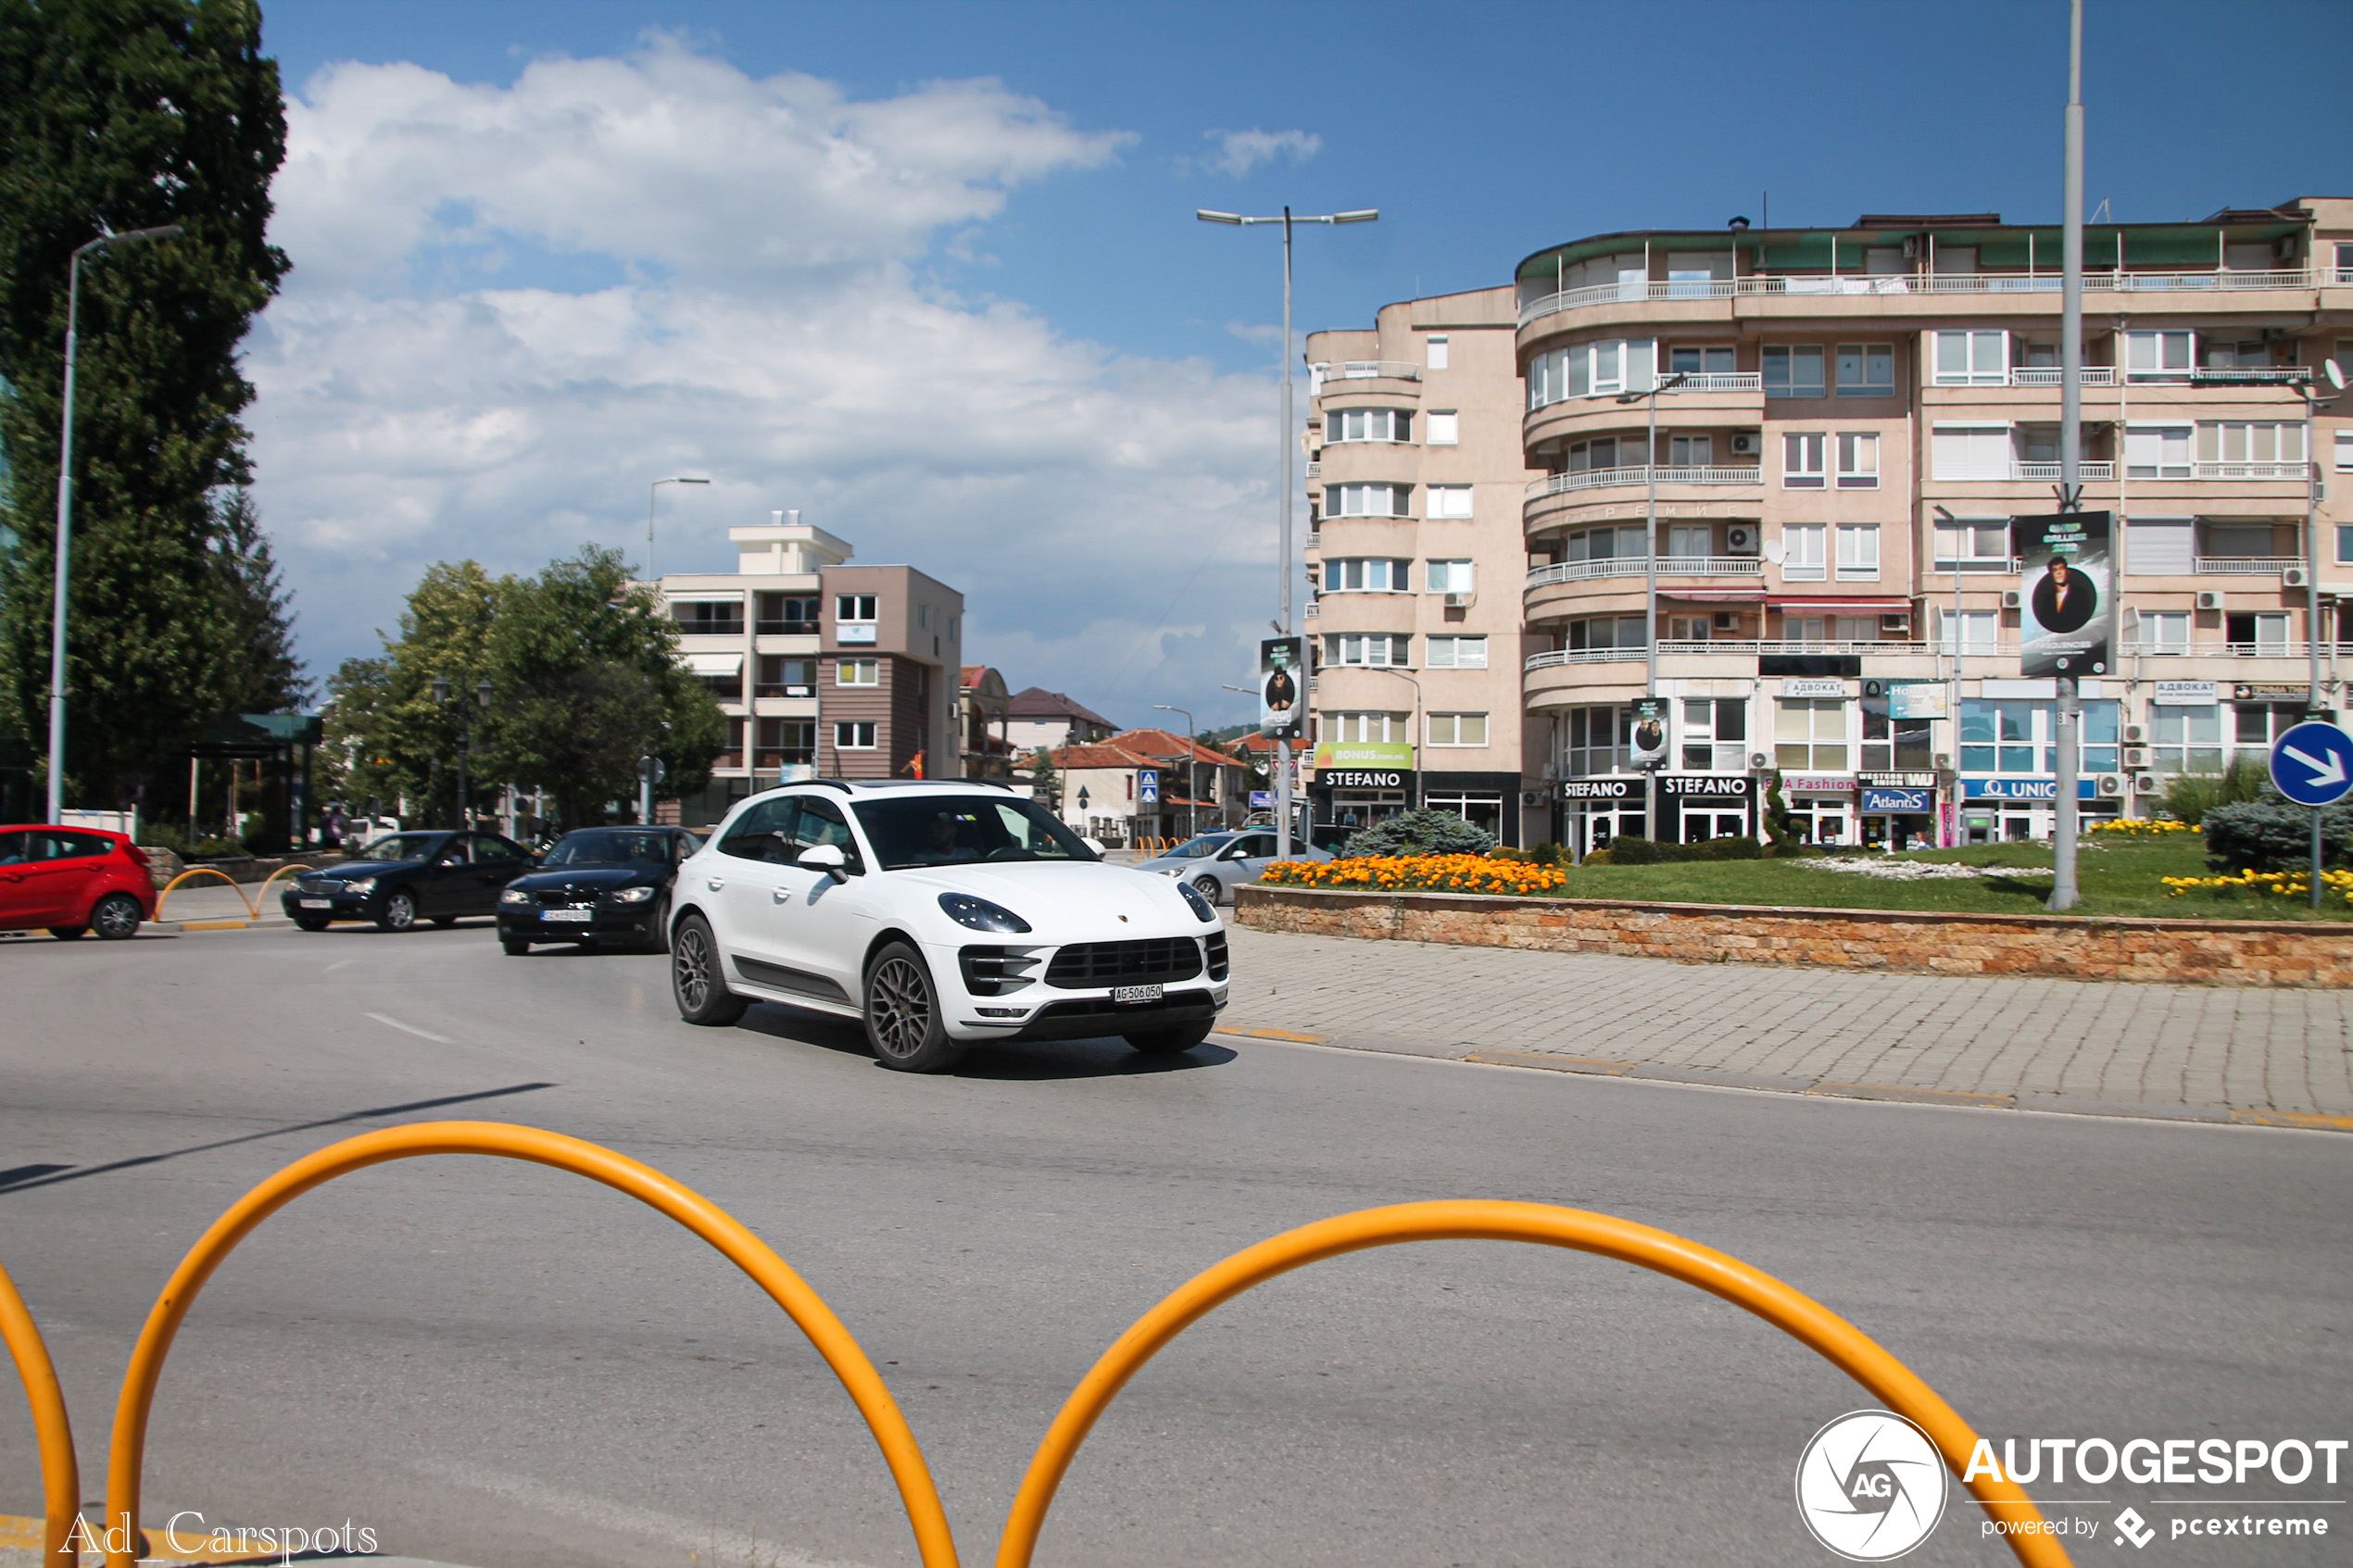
[1865, 410]
[1414, 562]
[822, 668]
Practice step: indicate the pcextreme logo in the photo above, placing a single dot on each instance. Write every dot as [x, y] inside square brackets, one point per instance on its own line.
[1870, 1485]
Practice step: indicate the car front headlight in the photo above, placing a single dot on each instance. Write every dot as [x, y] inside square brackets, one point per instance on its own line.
[1202, 908]
[979, 914]
[514, 896]
[633, 895]
[363, 887]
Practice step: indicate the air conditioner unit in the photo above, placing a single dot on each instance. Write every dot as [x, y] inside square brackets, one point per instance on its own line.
[1894, 625]
[1741, 539]
[2295, 577]
[1747, 443]
[1758, 761]
[2111, 787]
[1728, 620]
[2208, 598]
[2147, 783]
[2136, 757]
[1458, 601]
[2136, 734]
[2010, 599]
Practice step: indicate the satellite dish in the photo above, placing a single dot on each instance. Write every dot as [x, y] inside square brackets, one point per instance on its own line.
[2335, 373]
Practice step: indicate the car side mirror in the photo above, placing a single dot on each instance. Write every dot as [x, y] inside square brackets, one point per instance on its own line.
[826, 858]
[1097, 845]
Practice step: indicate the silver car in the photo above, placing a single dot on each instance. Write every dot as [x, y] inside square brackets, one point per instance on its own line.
[1218, 862]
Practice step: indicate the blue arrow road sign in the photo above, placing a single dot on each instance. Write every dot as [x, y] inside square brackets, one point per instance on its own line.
[2313, 764]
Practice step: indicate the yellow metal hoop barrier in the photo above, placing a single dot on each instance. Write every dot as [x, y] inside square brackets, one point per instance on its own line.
[252, 905]
[1796, 1314]
[262, 893]
[60, 1472]
[649, 1186]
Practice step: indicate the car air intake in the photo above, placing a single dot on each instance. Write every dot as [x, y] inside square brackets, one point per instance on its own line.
[1217, 955]
[1152, 960]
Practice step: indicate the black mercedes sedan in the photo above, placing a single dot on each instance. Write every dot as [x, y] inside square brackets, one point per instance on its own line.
[405, 877]
[598, 886]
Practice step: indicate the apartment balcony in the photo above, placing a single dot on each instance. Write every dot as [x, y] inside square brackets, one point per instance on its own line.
[2017, 472]
[1399, 376]
[2053, 375]
[2250, 470]
[1645, 474]
[1638, 566]
[2218, 280]
[2243, 566]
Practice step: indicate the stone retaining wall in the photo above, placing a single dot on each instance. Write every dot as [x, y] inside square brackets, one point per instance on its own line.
[2198, 952]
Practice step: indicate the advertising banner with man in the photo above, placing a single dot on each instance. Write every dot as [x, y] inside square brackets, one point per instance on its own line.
[1282, 679]
[2067, 602]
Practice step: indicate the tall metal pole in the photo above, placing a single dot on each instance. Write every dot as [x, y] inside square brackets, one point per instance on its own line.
[1649, 575]
[2063, 842]
[1282, 568]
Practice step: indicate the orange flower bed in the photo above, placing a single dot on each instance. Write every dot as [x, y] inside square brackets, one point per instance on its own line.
[1419, 873]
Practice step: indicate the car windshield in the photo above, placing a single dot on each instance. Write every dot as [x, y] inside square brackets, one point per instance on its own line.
[1198, 848]
[402, 847]
[946, 830]
[610, 847]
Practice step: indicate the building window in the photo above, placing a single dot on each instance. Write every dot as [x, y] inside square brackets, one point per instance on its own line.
[1825, 628]
[1594, 741]
[1435, 355]
[725, 688]
[1803, 548]
[1686, 629]
[1365, 729]
[2344, 451]
[2098, 733]
[2344, 545]
[1809, 735]
[1458, 729]
[788, 615]
[1802, 458]
[1367, 500]
[780, 676]
[1379, 650]
[2157, 356]
[1866, 369]
[1700, 361]
[1793, 371]
[1998, 737]
[1449, 577]
[1604, 543]
[1457, 653]
[854, 607]
[1449, 500]
[1858, 460]
[1978, 630]
[1691, 451]
[1591, 369]
[1858, 552]
[1371, 575]
[2264, 633]
[1891, 742]
[2186, 740]
[1715, 733]
[2156, 452]
[1689, 541]
[2252, 442]
[2162, 631]
[698, 618]
[857, 672]
[853, 735]
[1973, 544]
[787, 743]
[1368, 424]
[1967, 452]
[1971, 358]
[1606, 631]
[1445, 427]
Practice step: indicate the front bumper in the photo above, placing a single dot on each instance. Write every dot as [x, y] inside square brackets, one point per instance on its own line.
[530, 922]
[299, 906]
[1039, 1011]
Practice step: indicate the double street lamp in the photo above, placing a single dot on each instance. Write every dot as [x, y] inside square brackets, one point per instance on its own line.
[465, 731]
[1285, 441]
[64, 509]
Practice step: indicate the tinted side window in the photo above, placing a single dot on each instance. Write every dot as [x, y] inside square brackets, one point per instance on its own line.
[55, 846]
[453, 852]
[1261, 847]
[14, 847]
[495, 851]
[821, 823]
[764, 832]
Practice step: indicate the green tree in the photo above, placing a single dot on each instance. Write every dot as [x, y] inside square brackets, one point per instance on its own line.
[268, 678]
[389, 736]
[1042, 776]
[116, 115]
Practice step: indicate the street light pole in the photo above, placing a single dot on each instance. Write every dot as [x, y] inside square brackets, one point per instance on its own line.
[2070, 708]
[650, 490]
[65, 510]
[1650, 570]
[1283, 443]
[1192, 790]
[465, 733]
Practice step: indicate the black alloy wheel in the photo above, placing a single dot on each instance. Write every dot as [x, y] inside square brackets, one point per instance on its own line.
[904, 1025]
[695, 983]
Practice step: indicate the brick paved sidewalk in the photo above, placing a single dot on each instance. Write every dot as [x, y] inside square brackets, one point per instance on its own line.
[2207, 1053]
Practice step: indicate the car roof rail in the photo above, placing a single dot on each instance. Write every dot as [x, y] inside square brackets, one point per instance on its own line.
[829, 783]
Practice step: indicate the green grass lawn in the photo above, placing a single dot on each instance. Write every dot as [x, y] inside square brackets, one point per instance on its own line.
[2117, 877]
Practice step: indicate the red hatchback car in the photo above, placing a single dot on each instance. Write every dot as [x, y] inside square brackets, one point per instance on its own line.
[73, 880]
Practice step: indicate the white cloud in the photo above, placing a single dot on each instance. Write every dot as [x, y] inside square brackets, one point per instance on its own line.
[752, 315]
[1238, 152]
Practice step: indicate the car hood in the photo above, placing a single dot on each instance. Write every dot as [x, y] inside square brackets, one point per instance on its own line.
[1064, 901]
[604, 877]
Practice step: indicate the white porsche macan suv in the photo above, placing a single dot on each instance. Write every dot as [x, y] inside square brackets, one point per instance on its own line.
[939, 914]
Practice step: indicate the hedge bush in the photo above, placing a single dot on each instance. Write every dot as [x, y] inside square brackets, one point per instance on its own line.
[2270, 835]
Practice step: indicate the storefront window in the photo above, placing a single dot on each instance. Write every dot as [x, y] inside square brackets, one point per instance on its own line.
[1890, 742]
[1809, 735]
[1596, 741]
[1715, 734]
[2188, 740]
[1998, 737]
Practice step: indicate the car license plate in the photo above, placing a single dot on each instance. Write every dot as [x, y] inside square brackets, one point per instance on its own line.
[581, 915]
[1122, 996]
[316, 903]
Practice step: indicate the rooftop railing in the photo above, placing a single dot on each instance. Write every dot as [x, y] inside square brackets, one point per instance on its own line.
[1913, 283]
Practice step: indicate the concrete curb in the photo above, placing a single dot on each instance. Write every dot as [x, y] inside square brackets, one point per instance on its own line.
[2064, 1105]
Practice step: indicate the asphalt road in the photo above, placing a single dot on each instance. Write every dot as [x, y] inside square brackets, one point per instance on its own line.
[496, 1364]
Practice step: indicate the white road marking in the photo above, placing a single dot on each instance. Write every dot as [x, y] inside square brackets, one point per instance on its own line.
[412, 1029]
[339, 964]
[717, 1545]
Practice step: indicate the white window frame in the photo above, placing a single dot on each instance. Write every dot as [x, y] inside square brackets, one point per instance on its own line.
[1370, 650]
[862, 734]
[1828, 723]
[1876, 363]
[1858, 552]
[2150, 354]
[1389, 426]
[2162, 631]
[1364, 728]
[1435, 351]
[1455, 653]
[1971, 465]
[1451, 502]
[2249, 441]
[863, 608]
[2167, 438]
[1691, 451]
[1336, 572]
[1445, 428]
[1355, 500]
[1455, 727]
[1951, 536]
[1450, 576]
[1980, 630]
[2344, 451]
[1713, 360]
[1803, 548]
[1857, 460]
[1983, 357]
[1805, 457]
[847, 671]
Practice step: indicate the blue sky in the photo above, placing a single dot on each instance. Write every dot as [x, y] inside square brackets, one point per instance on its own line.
[427, 374]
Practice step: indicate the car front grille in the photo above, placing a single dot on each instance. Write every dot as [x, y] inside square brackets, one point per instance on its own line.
[1150, 961]
[1217, 968]
[566, 897]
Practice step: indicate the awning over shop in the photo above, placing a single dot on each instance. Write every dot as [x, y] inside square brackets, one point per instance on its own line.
[715, 663]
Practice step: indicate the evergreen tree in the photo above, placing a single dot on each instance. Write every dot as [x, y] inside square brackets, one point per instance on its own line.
[268, 676]
[117, 115]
